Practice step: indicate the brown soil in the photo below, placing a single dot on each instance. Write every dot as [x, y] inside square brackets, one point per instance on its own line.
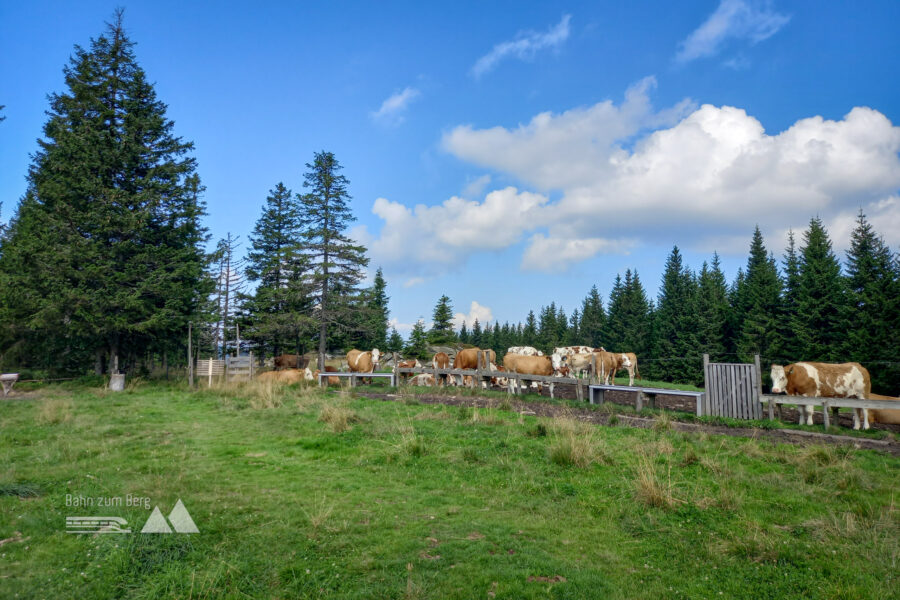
[543, 409]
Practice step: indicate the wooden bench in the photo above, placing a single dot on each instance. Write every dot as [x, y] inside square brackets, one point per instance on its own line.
[596, 395]
[834, 404]
[8, 380]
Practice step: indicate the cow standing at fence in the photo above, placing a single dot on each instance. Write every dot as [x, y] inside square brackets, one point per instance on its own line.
[363, 362]
[441, 360]
[528, 365]
[632, 370]
[824, 380]
[290, 361]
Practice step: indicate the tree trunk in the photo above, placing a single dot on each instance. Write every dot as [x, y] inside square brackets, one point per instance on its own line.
[98, 361]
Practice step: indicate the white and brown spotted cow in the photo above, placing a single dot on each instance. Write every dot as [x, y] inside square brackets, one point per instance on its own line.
[363, 362]
[525, 350]
[633, 369]
[824, 380]
[528, 365]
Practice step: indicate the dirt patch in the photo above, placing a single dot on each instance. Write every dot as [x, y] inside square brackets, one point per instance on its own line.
[542, 409]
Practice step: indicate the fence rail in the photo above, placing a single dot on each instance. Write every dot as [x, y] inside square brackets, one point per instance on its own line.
[834, 404]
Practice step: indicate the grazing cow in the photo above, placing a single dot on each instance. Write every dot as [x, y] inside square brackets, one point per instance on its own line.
[331, 380]
[525, 350]
[287, 376]
[528, 365]
[363, 362]
[884, 415]
[423, 379]
[633, 369]
[291, 361]
[441, 360]
[499, 380]
[824, 380]
[570, 350]
[468, 359]
[409, 364]
[610, 362]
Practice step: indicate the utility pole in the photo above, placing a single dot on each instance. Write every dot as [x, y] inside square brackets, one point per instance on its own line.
[190, 358]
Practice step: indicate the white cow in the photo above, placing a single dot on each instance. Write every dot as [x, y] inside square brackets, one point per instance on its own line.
[525, 351]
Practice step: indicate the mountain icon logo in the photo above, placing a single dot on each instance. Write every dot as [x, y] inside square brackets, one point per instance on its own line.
[179, 518]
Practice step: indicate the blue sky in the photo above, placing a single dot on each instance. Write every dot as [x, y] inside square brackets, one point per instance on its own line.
[510, 154]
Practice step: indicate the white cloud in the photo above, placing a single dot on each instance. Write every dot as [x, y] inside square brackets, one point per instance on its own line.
[393, 107]
[525, 45]
[424, 240]
[556, 151]
[749, 21]
[556, 254]
[484, 314]
[712, 175]
[475, 187]
[413, 281]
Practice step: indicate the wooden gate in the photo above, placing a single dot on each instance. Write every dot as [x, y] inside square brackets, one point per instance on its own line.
[239, 368]
[733, 389]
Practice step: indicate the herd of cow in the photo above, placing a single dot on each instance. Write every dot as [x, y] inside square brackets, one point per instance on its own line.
[809, 379]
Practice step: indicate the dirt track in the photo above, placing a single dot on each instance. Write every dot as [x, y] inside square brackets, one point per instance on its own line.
[544, 409]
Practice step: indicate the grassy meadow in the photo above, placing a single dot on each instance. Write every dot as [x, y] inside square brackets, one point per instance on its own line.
[300, 493]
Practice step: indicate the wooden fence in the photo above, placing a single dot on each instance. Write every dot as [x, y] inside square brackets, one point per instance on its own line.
[233, 368]
[733, 389]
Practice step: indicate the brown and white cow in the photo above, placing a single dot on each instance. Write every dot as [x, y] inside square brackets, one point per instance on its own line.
[423, 379]
[528, 365]
[363, 362]
[610, 362]
[824, 380]
[287, 376]
[291, 361]
[441, 360]
[884, 415]
[633, 369]
[525, 350]
[561, 356]
[330, 380]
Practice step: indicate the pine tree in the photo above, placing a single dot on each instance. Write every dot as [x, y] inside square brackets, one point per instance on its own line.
[276, 314]
[791, 350]
[760, 322]
[105, 252]
[442, 322]
[822, 321]
[614, 329]
[712, 310]
[635, 316]
[335, 262]
[418, 342]
[463, 334]
[377, 313]
[476, 334]
[875, 297]
[675, 344]
[593, 319]
[394, 342]
[230, 286]
[529, 334]
[573, 335]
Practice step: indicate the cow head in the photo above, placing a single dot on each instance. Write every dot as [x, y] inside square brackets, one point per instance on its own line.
[779, 379]
[558, 360]
[624, 361]
[307, 374]
[376, 357]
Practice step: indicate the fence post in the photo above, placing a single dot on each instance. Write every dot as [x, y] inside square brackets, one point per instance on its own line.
[190, 358]
[826, 420]
[396, 371]
[757, 404]
[705, 380]
[579, 391]
[594, 368]
[639, 401]
[551, 390]
[210, 369]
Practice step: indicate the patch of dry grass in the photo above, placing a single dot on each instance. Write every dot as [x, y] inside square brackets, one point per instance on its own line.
[486, 416]
[575, 443]
[338, 418]
[663, 422]
[650, 488]
[55, 410]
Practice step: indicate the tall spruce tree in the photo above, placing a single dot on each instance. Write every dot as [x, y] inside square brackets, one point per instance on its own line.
[105, 250]
[822, 321]
[675, 345]
[791, 348]
[476, 334]
[335, 263]
[529, 335]
[463, 334]
[634, 316]
[441, 331]
[417, 347]
[394, 341]
[593, 319]
[277, 312]
[377, 313]
[875, 300]
[712, 309]
[760, 331]
[614, 329]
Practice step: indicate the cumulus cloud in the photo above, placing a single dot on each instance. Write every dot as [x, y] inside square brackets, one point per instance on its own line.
[524, 46]
[393, 107]
[572, 148]
[428, 239]
[484, 314]
[623, 175]
[715, 170]
[741, 20]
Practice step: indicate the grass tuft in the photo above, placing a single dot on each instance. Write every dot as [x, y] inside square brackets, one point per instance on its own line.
[54, 411]
[650, 488]
[338, 418]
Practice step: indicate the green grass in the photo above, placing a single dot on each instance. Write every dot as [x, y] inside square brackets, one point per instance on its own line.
[303, 494]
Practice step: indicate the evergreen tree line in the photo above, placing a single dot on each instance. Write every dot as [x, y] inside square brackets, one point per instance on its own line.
[104, 263]
[807, 308]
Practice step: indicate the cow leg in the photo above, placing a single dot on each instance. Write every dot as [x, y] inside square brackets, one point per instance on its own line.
[810, 411]
[630, 376]
[855, 418]
[865, 412]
